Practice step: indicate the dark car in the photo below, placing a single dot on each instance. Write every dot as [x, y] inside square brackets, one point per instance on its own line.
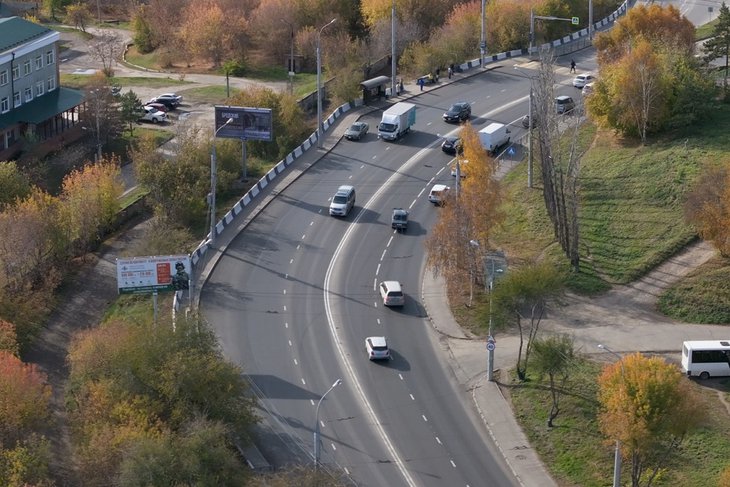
[458, 112]
[452, 145]
[357, 131]
[170, 100]
[526, 121]
[399, 221]
[564, 104]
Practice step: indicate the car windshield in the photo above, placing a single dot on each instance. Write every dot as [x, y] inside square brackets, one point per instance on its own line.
[382, 348]
[387, 127]
[340, 199]
[399, 217]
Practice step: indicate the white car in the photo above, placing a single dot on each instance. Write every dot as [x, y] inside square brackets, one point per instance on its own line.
[152, 114]
[583, 79]
[377, 348]
[392, 293]
[438, 193]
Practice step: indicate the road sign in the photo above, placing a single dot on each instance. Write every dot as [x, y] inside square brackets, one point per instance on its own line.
[575, 21]
[511, 151]
[490, 346]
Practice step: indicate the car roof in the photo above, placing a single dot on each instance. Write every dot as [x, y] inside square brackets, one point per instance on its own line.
[377, 341]
[563, 98]
[439, 187]
[392, 285]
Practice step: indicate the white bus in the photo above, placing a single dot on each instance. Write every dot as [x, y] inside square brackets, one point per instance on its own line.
[706, 358]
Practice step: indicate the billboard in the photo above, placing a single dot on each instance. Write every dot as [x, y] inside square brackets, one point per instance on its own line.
[138, 275]
[247, 123]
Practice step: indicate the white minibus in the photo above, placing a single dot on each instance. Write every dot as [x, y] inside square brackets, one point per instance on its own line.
[706, 358]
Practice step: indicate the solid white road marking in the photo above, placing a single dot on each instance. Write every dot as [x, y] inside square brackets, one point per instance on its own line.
[401, 376]
[452, 463]
[304, 383]
[438, 441]
[334, 447]
[412, 398]
[424, 418]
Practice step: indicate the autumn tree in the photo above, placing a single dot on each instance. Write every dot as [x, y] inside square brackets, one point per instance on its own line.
[649, 407]
[553, 356]
[106, 48]
[8, 338]
[14, 183]
[718, 45]
[521, 300]
[90, 203]
[211, 34]
[24, 398]
[708, 206]
[101, 116]
[649, 76]
[78, 15]
[470, 212]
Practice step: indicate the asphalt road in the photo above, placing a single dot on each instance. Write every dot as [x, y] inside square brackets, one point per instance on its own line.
[294, 297]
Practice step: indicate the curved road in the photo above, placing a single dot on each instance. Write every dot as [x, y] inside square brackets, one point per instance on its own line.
[294, 297]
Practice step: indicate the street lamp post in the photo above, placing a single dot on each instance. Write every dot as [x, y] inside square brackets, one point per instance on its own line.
[291, 56]
[316, 423]
[320, 132]
[530, 123]
[489, 286]
[483, 36]
[393, 91]
[617, 448]
[213, 182]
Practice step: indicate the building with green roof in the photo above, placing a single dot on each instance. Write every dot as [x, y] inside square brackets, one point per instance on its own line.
[32, 104]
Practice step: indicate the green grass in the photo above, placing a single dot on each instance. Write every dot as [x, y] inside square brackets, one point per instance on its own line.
[214, 95]
[631, 216]
[703, 296]
[705, 31]
[577, 454]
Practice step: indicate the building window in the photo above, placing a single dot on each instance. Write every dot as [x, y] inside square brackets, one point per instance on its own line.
[39, 88]
[3, 77]
[16, 72]
[51, 84]
[49, 57]
[5, 105]
[38, 62]
[28, 94]
[26, 68]
[16, 99]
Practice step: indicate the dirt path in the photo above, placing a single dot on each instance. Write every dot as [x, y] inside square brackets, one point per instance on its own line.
[82, 303]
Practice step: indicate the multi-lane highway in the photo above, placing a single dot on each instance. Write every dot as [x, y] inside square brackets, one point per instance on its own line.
[294, 296]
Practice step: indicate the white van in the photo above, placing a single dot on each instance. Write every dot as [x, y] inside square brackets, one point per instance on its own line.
[438, 193]
[343, 201]
[706, 358]
[392, 293]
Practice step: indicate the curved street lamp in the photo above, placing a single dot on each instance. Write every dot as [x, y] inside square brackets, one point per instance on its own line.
[316, 422]
[320, 132]
[213, 182]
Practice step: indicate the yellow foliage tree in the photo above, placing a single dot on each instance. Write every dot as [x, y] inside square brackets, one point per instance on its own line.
[708, 206]
[648, 406]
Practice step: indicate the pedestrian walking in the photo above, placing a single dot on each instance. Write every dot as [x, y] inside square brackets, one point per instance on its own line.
[572, 65]
[450, 71]
[420, 83]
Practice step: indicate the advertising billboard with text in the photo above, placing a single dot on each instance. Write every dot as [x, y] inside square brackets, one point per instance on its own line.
[138, 275]
[246, 123]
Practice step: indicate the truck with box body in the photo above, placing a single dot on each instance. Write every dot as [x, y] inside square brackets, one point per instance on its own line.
[494, 136]
[397, 121]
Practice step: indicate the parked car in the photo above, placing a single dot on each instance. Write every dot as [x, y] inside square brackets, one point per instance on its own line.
[170, 100]
[452, 145]
[357, 131]
[377, 348]
[564, 104]
[160, 106]
[583, 79]
[458, 112]
[152, 114]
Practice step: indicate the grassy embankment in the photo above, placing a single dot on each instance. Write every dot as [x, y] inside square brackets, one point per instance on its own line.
[631, 220]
